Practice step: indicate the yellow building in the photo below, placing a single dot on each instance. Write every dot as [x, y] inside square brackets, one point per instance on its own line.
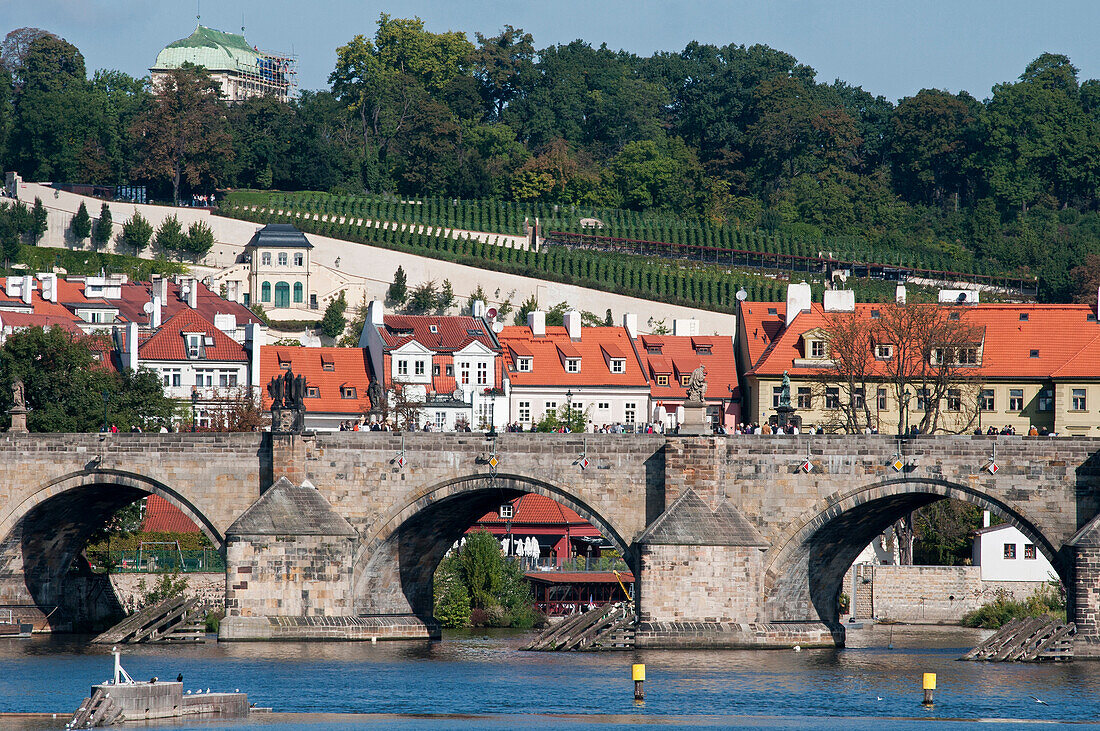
[1029, 365]
[279, 277]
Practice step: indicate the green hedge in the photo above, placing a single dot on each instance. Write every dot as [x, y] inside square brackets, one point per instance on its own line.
[43, 259]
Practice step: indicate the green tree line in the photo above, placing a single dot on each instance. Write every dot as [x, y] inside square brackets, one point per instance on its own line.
[744, 136]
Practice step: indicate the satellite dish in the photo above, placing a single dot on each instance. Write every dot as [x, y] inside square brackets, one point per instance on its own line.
[498, 327]
[457, 395]
[491, 313]
[147, 308]
[742, 295]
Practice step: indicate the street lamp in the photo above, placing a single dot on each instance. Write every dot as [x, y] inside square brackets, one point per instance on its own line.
[194, 405]
[569, 409]
[905, 412]
[106, 400]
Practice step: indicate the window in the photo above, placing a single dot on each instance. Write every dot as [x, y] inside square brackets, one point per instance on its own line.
[506, 511]
[685, 379]
[572, 365]
[882, 399]
[773, 311]
[1079, 403]
[817, 349]
[440, 420]
[204, 377]
[653, 349]
[299, 292]
[1029, 552]
[805, 398]
[464, 373]
[435, 369]
[1024, 317]
[525, 412]
[549, 407]
[832, 397]
[922, 398]
[884, 352]
[876, 314]
[618, 365]
[1015, 399]
[485, 414]
[313, 392]
[662, 380]
[194, 346]
[954, 399]
[433, 328]
[227, 379]
[285, 365]
[987, 401]
[328, 365]
[402, 367]
[703, 350]
[482, 374]
[1010, 551]
[968, 356]
[1034, 353]
[265, 259]
[857, 398]
[603, 406]
[523, 365]
[450, 370]
[418, 367]
[170, 376]
[777, 393]
[630, 410]
[1046, 399]
[265, 292]
[953, 316]
[282, 258]
[347, 392]
[299, 260]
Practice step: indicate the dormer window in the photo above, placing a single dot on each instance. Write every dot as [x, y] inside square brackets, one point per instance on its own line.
[884, 352]
[817, 349]
[284, 365]
[1024, 317]
[572, 365]
[313, 392]
[433, 328]
[953, 316]
[703, 350]
[507, 511]
[685, 379]
[523, 365]
[347, 392]
[662, 380]
[194, 345]
[618, 365]
[876, 314]
[208, 341]
[653, 349]
[328, 365]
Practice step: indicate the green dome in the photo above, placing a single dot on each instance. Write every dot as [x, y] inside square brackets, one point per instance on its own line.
[213, 49]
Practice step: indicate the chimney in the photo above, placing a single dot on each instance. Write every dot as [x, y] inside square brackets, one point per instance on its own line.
[537, 322]
[685, 326]
[193, 294]
[630, 324]
[477, 309]
[155, 315]
[572, 321]
[798, 300]
[375, 313]
[227, 323]
[899, 294]
[11, 286]
[254, 342]
[47, 285]
[160, 288]
[985, 518]
[28, 288]
[131, 354]
[840, 300]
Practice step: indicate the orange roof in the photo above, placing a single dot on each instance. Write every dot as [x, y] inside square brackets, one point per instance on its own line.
[162, 516]
[169, 343]
[1018, 340]
[534, 509]
[683, 352]
[547, 368]
[349, 367]
[761, 323]
[441, 333]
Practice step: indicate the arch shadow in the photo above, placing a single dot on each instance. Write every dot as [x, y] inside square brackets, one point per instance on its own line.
[396, 564]
[804, 570]
[43, 533]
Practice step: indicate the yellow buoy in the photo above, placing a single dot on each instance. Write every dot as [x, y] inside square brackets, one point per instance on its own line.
[929, 688]
[637, 671]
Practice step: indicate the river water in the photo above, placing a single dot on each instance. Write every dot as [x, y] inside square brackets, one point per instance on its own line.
[478, 680]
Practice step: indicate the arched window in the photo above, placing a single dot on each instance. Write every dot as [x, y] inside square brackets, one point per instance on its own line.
[282, 294]
[265, 292]
[298, 292]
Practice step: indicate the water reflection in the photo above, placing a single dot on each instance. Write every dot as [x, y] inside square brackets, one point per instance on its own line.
[484, 674]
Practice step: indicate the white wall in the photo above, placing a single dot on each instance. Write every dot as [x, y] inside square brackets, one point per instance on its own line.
[583, 399]
[989, 554]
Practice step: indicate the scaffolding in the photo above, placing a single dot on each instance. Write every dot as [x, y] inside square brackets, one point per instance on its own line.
[272, 72]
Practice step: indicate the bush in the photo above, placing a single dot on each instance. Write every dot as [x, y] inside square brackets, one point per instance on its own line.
[1002, 610]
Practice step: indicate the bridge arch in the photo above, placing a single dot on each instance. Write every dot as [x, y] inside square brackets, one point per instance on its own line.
[400, 552]
[804, 569]
[41, 535]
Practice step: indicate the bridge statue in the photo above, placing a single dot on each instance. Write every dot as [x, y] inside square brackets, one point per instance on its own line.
[288, 409]
[18, 410]
[697, 384]
[376, 396]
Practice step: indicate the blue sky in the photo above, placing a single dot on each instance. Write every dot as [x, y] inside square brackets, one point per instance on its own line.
[890, 47]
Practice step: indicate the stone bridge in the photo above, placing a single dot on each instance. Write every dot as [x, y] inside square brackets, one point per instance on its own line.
[732, 540]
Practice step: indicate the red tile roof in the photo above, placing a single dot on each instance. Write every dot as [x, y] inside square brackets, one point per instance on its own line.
[18, 320]
[168, 342]
[452, 332]
[547, 367]
[135, 295]
[679, 356]
[760, 327]
[534, 509]
[1066, 340]
[162, 516]
[350, 367]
